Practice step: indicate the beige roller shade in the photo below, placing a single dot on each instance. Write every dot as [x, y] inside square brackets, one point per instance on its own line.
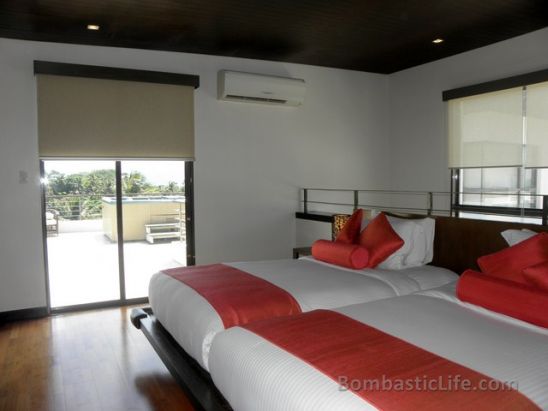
[486, 130]
[97, 118]
[537, 126]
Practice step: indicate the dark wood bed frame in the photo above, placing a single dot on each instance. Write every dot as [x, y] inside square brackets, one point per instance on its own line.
[457, 245]
[459, 242]
[193, 379]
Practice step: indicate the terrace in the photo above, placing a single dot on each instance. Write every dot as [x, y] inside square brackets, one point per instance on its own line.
[83, 250]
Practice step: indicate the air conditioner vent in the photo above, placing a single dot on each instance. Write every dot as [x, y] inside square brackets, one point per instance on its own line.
[259, 88]
[256, 99]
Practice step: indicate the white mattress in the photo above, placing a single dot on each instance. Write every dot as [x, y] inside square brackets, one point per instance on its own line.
[193, 322]
[253, 374]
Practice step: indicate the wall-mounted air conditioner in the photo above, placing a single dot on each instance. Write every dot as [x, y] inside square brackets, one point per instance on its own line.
[259, 88]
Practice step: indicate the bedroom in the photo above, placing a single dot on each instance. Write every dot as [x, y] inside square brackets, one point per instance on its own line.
[356, 129]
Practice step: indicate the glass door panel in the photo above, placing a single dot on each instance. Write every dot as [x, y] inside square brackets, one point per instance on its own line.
[153, 208]
[81, 232]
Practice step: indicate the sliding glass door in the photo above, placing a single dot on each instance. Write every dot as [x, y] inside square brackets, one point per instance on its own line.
[153, 204]
[110, 225]
[82, 253]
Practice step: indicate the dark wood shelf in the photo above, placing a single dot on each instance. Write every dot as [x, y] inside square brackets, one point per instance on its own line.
[301, 251]
[317, 216]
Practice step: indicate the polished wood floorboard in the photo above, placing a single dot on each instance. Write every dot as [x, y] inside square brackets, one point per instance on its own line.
[93, 360]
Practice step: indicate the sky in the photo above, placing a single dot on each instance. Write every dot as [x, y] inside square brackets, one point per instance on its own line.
[156, 172]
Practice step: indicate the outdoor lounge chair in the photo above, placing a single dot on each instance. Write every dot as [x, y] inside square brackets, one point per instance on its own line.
[52, 222]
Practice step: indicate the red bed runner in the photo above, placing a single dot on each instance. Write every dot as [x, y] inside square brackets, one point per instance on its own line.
[387, 372]
[237, 296]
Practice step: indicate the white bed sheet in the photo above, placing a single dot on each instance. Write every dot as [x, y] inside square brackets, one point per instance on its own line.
[193, 322]
[254, 374]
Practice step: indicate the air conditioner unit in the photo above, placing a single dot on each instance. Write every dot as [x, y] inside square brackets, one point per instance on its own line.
[259, 88]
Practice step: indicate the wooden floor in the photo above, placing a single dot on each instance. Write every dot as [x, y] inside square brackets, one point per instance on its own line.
[94, 360]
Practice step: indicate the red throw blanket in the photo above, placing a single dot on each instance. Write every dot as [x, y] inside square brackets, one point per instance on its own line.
[387, 372]
[237, 296]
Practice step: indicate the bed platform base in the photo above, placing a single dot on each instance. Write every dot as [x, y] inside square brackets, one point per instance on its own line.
[193, 379]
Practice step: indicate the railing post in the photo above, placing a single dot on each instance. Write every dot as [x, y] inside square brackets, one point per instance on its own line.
[451, 190]
[545, 210]
[455, 192]
[356, 199]
[430, 202]
[305, 200]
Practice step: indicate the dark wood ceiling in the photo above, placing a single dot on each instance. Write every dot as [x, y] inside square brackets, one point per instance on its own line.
[381, 36]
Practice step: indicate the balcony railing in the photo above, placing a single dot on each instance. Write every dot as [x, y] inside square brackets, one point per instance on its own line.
[330, 201]
[89, 206]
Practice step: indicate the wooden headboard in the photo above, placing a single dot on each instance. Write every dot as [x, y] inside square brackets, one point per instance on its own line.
[459, 241]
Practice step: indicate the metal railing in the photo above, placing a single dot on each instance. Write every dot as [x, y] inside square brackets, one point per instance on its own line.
[89, 206]
[419, 202]
[428, 207]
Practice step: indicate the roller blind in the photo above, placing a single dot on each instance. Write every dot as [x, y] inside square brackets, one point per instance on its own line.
[486, 130]
[537, 125]
[101, 118]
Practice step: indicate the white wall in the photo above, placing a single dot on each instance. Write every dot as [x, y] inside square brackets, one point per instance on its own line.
[251, 159]
[417, 112]
[310, 231]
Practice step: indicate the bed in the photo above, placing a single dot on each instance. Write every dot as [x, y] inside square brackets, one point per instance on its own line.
[253, 373]
[193, 322]
[458, 244]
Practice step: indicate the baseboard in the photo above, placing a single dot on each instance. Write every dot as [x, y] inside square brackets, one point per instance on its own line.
[25, 314]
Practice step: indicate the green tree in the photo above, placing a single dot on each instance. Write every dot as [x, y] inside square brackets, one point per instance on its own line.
[135, 183]
[79, 195]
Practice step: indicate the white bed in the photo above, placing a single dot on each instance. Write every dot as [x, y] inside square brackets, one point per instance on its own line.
[254, 374]
[193, 322]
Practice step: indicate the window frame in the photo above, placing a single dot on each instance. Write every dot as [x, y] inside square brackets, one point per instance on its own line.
[457, 207]
[522, 80]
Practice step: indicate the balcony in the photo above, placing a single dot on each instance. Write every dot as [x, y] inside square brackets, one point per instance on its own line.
[83, 247]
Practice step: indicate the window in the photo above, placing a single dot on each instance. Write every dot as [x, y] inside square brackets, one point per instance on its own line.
[498, 145]
[503, 187]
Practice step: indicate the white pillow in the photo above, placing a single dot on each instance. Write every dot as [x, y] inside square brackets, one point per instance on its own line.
[405, 229]
[429, 226]
[365, 223]
[420, 250]
[514, 237]
[417, 255]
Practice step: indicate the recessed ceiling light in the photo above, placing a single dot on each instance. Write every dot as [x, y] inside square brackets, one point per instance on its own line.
[437, 41]
[93, 27]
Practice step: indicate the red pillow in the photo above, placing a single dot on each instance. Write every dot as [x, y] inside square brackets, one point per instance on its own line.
[346, 255]
[510, 262]
[380, 239]
[537, 275]
[516, 300]
[350, 233]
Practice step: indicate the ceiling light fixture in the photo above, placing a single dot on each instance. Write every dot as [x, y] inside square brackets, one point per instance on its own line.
[94, 27]
[437, 41]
